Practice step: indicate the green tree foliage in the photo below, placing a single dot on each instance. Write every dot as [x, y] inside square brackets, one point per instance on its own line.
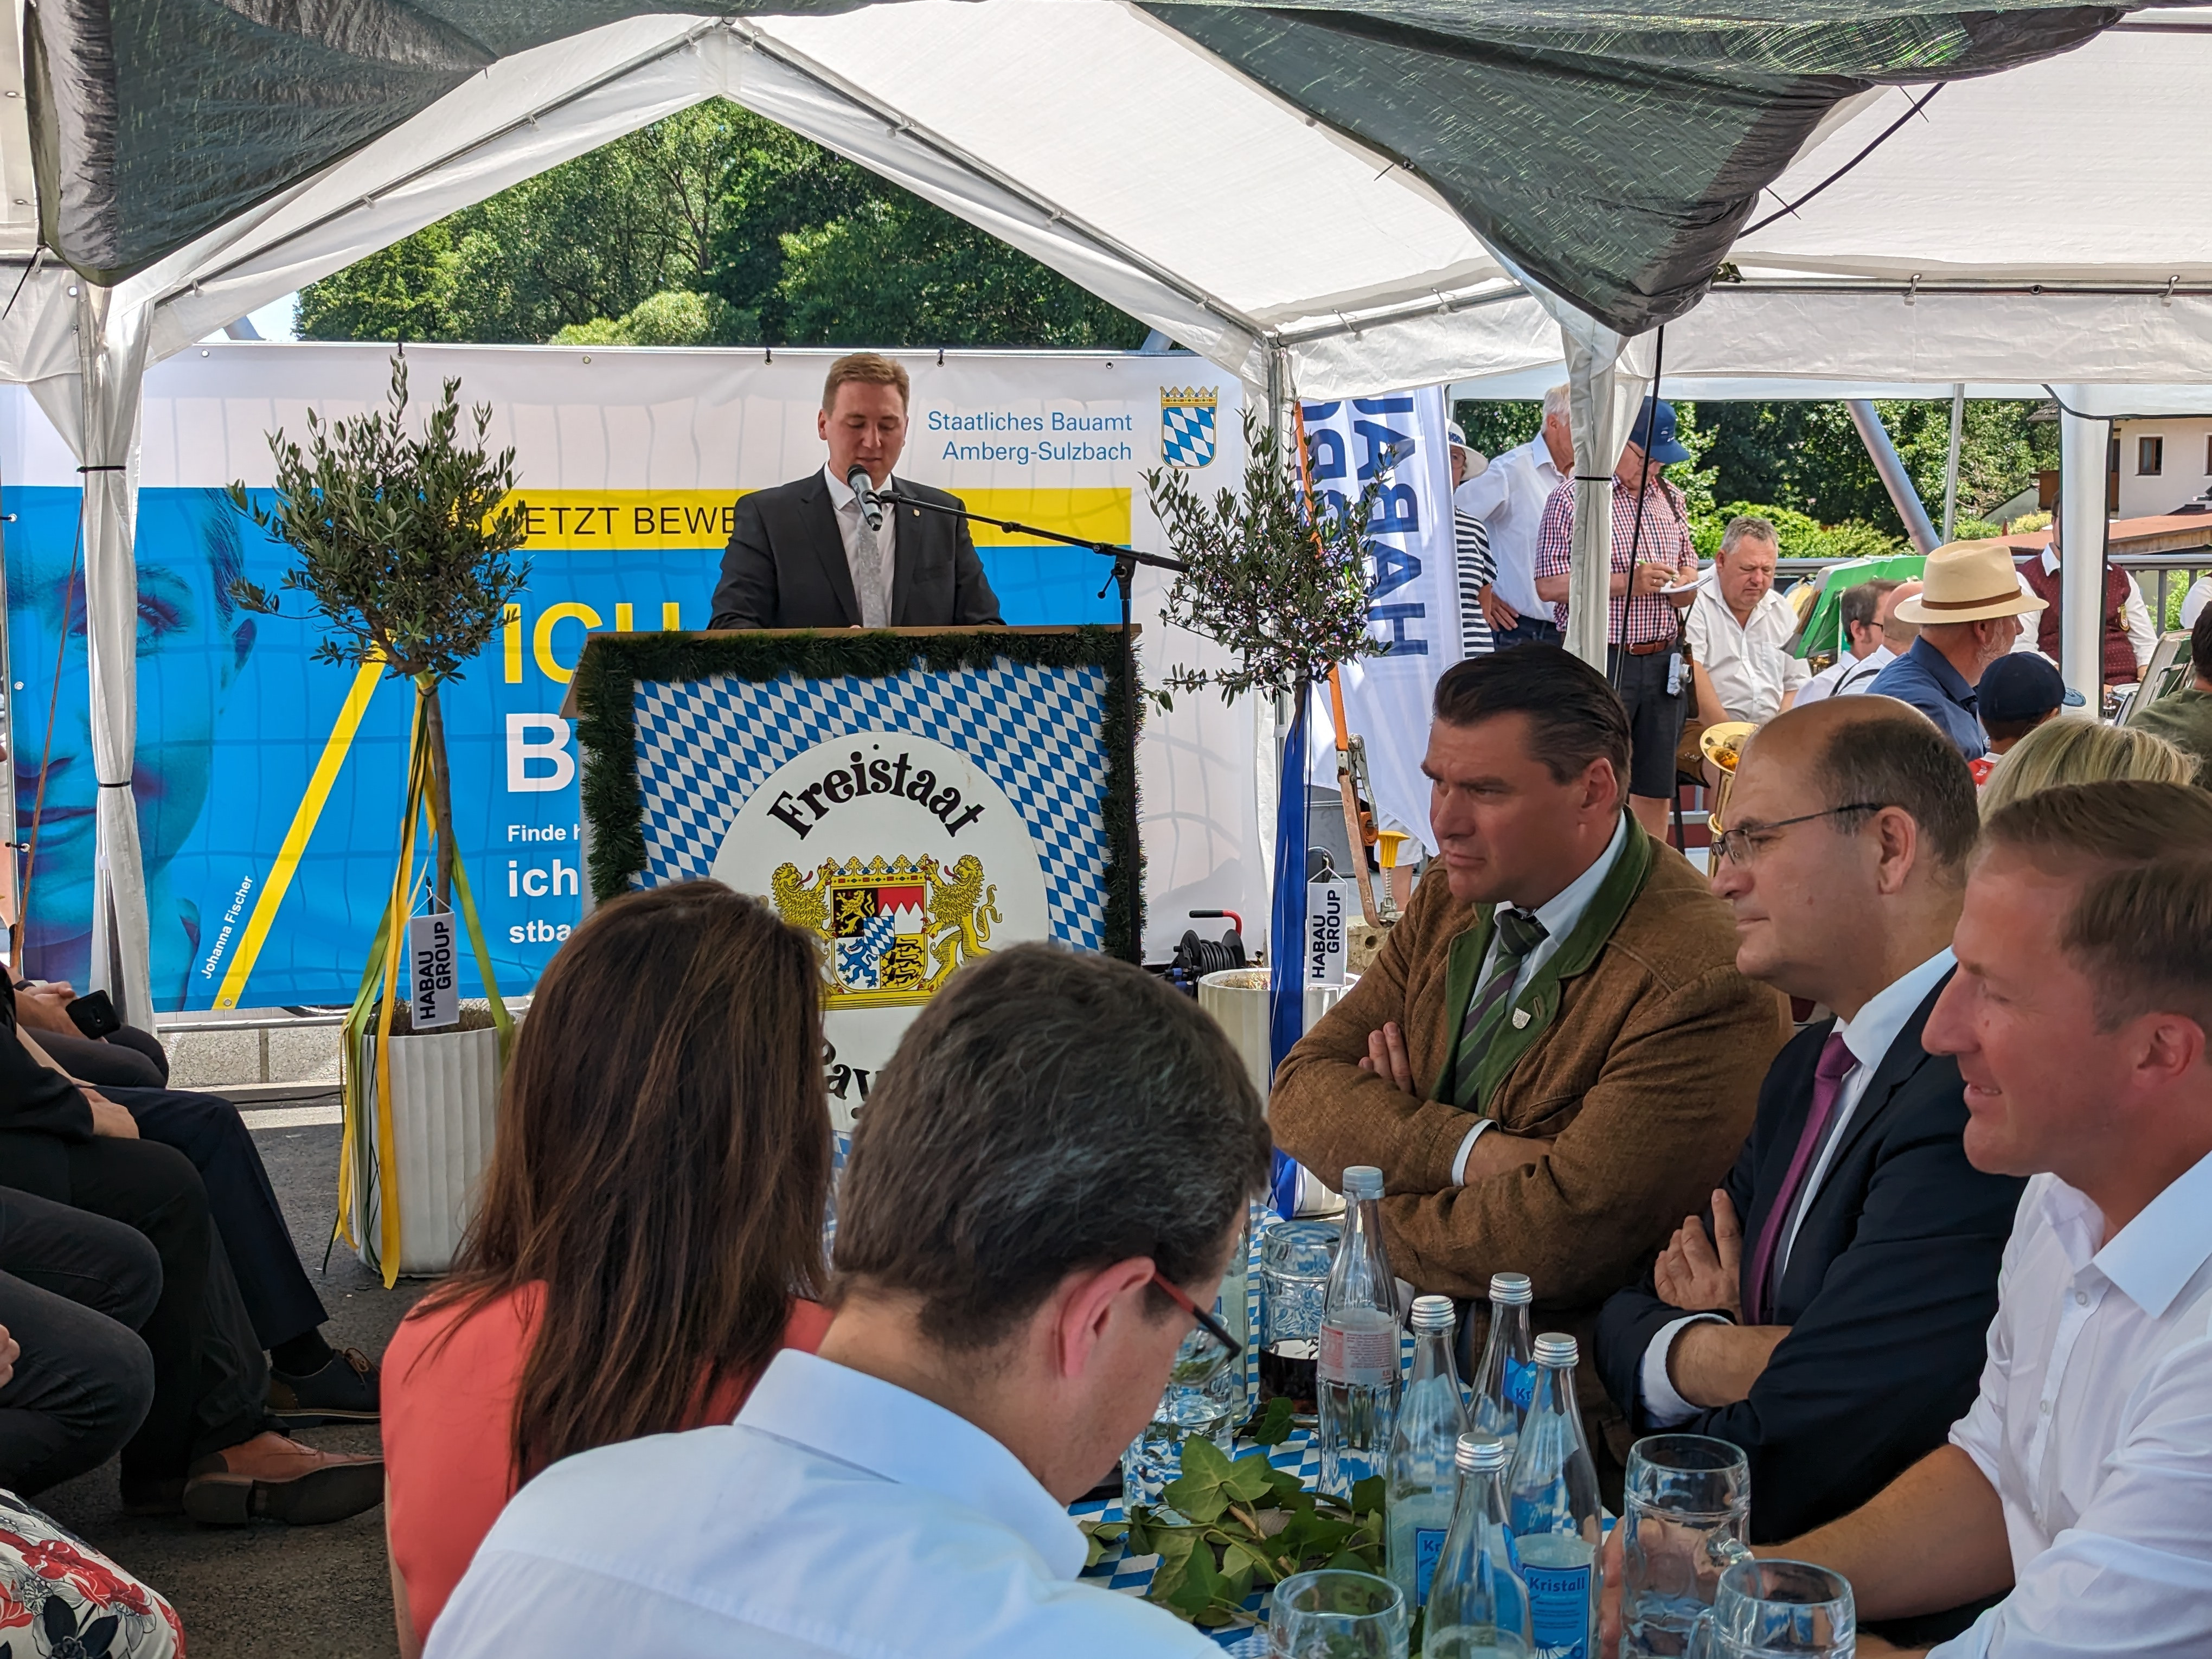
[1806, 461]
[713, 227]
[406, 546]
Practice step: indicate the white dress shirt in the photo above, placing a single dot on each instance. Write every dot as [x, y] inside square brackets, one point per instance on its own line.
[1869, 1036]
[2094, 1425]
[2194, 601]
[1749, 662]
[1560, 917]
[1848, 676]
[1508, 499]
[838, 1516]
[847, 506]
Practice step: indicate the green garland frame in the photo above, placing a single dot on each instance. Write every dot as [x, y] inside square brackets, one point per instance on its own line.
[606, 733]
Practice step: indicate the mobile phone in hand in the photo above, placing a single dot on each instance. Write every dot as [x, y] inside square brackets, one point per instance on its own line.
[93, 1014]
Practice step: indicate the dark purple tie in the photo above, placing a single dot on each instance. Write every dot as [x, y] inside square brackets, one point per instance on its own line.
[1835, 1062]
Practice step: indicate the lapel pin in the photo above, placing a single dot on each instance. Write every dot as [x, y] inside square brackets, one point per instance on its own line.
[1520, 1019]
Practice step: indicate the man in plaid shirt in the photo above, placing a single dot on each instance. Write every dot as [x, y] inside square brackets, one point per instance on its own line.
[1643, 630]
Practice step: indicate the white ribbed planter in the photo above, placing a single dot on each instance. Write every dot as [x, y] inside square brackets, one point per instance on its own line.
[445, 1100]
[1237, 998]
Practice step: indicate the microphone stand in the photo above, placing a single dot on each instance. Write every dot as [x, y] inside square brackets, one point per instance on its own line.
[1126, 561]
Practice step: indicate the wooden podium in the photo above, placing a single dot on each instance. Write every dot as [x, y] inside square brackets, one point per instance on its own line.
[912, 797]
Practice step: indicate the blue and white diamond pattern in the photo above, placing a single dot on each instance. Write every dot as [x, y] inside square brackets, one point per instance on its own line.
[703, 746]
[1185, 435]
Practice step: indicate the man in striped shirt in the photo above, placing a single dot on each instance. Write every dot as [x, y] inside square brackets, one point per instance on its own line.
[1651, 552]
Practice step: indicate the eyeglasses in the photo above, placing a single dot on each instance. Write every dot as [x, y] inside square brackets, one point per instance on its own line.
[1740, 845]
[1207, 1349]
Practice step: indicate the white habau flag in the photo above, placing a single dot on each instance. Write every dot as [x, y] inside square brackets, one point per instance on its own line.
[1413, 587]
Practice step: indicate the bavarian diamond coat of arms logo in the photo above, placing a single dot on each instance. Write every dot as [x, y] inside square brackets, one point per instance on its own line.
[1187, 431]
[890, 932]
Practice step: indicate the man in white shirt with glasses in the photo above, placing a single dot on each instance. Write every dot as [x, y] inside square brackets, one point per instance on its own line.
[2080, 1017]
[1042, 1195]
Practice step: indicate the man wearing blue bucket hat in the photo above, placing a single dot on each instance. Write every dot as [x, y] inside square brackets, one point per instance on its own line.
[1652, 555]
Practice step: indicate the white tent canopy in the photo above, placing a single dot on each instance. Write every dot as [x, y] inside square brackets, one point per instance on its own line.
[1124, 156]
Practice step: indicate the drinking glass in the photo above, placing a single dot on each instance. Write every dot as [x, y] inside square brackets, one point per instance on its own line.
[1295, 1257]
[1777, 1610]
[1211, 1408]
[1336, 1615]
[1687, 1504]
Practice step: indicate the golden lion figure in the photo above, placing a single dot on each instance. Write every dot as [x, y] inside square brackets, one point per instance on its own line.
[965, 908]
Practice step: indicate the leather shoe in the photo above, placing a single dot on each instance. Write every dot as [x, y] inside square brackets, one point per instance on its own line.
[346, 1390]
[270, 1478]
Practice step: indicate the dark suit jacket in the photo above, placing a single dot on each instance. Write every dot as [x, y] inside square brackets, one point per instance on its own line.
[785, 566]
[1890, 1287]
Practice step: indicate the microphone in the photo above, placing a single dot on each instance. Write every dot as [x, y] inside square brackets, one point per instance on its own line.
[871, 504]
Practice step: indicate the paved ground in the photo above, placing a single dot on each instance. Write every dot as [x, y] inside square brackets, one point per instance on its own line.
[299, 1593]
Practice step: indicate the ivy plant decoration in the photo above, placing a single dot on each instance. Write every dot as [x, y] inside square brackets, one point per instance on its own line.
[1277, 576]
[1225, 1529]
[406, 547]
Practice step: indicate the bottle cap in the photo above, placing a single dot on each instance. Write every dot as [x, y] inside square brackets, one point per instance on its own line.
[1433, 1313]
[1510, 1288]
[1362, 1181]
[1477, 1452]
[1555, 1348]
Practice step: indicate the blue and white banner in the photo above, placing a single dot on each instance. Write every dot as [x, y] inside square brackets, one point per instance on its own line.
[1412, 595]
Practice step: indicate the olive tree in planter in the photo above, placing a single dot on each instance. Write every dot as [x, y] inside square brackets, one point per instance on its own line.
[1279, 578]
[406, 554]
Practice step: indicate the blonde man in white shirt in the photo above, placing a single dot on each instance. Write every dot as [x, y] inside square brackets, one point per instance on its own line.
[1508, 496]
[2079, 1016]
[1041, 1197]
[1739, 629]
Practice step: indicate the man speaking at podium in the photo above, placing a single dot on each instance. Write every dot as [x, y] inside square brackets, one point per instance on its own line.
[815, 554]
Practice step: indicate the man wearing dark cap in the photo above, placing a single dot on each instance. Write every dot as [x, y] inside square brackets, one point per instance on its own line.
[1651, 552]
[2017, 694]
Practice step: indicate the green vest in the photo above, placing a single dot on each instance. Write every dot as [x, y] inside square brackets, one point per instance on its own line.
[1538, 1005]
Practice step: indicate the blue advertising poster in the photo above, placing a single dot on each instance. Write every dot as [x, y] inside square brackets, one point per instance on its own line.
[270, 786]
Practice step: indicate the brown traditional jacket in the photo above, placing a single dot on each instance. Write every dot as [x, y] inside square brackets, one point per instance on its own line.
[1640, 1060]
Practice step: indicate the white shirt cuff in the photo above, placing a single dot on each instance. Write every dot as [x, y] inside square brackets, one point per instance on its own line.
[1459, 1162]
[1663, 1406]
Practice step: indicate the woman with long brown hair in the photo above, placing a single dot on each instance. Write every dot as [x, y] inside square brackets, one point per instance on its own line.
[650, 1226]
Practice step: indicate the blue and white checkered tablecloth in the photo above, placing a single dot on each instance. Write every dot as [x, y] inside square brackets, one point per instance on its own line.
[1132, 1575]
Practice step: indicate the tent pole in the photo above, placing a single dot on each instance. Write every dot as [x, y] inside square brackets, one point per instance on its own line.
[1591, 391]
[1951, 460]
[2083, 444]
[1891, 470]
[112, 357]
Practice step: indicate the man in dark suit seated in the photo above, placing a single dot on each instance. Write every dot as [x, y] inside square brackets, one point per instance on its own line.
[804, 555]
[1837, 1333]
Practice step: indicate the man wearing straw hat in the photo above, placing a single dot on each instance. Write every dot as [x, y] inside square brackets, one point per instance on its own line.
[1968, 611]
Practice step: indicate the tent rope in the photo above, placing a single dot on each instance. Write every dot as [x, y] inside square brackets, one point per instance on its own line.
[1880, 139]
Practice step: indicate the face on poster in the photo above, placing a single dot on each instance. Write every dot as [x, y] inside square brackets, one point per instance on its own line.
[269, 786]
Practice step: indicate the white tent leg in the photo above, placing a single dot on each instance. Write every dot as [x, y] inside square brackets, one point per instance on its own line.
[111, 350]
[1603, 390]
[2083, 453]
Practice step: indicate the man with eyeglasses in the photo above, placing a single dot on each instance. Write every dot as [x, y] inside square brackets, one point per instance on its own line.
[1042, 1195]
[1826, 1313]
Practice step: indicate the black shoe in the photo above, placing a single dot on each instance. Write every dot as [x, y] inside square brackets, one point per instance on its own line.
[344, 1391]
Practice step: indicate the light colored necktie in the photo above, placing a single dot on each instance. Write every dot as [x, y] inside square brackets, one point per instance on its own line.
[868, 574]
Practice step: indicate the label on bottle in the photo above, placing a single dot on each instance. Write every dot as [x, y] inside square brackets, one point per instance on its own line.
[1428, 1545]
[1520, 1383]
[1366, 1357]
[1559, 1609]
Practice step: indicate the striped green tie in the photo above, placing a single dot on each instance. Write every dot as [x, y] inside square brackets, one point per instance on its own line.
[1518, 933]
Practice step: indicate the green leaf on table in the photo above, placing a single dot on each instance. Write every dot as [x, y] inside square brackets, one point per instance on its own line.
[1100, 1538]
[1367, 1496]
[1249, 1478]
[1349, 1561]
[1290, 1492]
[1196, 1587]
[1202, 1490]
[1273, 1426]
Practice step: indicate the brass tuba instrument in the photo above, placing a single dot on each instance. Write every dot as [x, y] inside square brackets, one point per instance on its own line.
[1721, 745]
